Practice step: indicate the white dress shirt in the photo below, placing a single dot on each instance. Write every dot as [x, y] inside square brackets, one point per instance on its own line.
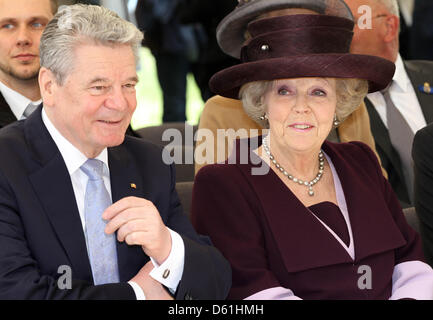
[16, 101]
[404, 98]
[74, 159]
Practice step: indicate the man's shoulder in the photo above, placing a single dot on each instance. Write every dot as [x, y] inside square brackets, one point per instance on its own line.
[140, 146]
[12, 133]
[418, 65]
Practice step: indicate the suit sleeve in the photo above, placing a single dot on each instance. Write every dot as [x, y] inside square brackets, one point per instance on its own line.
[20, 277]
[422, 153]
[206, 274]
[225, 208]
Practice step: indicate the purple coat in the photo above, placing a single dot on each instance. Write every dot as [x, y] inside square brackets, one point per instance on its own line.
[272, 240]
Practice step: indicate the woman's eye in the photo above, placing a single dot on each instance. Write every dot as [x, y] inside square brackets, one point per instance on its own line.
[283, 91]
[319, 93]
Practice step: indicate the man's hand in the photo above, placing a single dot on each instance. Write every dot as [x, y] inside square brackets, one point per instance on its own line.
[138, 222]
[152, 289]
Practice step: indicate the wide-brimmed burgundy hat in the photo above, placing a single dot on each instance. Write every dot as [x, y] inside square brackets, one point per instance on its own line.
[298, 46]
[231, 30]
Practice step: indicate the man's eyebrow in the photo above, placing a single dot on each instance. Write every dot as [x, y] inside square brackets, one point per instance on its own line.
[134, 79]
[8, 20]
[105, 80]
[15, 20]
[97, 80]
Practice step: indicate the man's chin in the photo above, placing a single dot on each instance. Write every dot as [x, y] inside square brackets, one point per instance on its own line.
[25, 75]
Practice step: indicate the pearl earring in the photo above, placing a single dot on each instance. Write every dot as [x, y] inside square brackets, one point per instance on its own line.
[264, 117]
[336, 121]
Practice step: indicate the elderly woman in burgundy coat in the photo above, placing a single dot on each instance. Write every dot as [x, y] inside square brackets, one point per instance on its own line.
[299, 217]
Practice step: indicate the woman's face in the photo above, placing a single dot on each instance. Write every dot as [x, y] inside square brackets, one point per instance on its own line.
[301, 112]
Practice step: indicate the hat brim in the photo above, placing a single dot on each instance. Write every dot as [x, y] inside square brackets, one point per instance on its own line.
[231, 30]
[377, 71]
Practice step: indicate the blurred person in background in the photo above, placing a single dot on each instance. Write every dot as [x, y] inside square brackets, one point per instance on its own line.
[22, 23]
[174, 46]
[403, 108]
[211, 59]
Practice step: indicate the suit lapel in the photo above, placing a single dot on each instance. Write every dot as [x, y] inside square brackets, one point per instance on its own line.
[125, 182]
[6, 114]
[52, 185]
[383, 142]
[418, 77]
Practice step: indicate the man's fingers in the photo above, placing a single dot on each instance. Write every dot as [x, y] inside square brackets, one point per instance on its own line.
[135, 238]
[125, 216]
[124, 204]
[132, 226]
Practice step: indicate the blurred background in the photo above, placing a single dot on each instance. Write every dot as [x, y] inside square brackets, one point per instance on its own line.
[180, 52]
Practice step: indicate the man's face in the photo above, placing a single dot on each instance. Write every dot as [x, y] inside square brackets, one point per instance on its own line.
[21, 25]
[369, 40]
[94, 106]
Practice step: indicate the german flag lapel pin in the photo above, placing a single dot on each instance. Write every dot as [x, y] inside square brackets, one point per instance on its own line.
[426, 88]
[133, 185]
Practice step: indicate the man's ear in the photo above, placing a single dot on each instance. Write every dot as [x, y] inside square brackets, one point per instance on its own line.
[47, 85]
[392, 24]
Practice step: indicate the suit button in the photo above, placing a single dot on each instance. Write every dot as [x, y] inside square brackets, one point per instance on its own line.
[166, 273]
[188, 297]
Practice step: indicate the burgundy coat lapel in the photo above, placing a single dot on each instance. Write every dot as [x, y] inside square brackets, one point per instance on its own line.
[303, 241]
[373, 227]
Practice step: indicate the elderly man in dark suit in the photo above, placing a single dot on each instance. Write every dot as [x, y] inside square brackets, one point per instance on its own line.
[77, 197]
[22, 24]
[397, 113]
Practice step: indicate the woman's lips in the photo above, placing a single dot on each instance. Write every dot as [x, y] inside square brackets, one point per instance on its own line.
[301, 127]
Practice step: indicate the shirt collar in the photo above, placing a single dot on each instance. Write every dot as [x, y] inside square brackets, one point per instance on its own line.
[16, 101]
[73, 157]
[401, 78]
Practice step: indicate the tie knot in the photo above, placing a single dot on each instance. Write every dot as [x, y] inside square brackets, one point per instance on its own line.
[93, 169]
[29, 109]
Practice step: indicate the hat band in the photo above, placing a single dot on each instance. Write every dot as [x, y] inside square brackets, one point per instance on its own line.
[295, 42]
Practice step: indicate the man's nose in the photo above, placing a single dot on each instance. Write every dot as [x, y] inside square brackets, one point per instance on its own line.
[24, 36]
[117, 100]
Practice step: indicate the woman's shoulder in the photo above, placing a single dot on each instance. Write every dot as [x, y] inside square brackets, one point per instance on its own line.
[218, 171]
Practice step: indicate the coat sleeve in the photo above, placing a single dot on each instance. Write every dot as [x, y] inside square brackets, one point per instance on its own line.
[225, 208]
[20, 277]
[422, 153]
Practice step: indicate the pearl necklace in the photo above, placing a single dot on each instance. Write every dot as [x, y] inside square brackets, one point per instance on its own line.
[308, 184]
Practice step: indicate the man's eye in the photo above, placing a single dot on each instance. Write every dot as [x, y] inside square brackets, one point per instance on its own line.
[37, 25]
[130, 86]
[7, 26]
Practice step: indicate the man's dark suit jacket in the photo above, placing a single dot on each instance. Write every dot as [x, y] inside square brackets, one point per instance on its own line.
[419, 72]
[6, 114]
[40, 227]
[422, 154]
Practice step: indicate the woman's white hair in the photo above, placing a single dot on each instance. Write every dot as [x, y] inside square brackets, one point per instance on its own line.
[77, 24]
[350, 94]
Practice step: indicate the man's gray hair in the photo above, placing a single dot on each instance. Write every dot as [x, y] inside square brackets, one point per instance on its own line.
[77, 24]
[391, 5]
